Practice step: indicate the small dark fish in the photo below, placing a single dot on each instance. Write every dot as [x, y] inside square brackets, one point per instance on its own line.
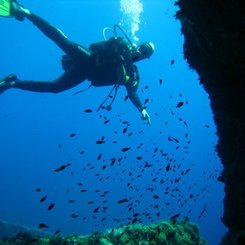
[113, 160]
[42, 225]
[99, 142]
[168, 167]
[156, 206]
[125, 149]
[122, 201]
[62, 167]
[156, 197]
[147, 165]
[72, 135]
[206, 126]
[176, 140]
[105, 122]
[169, 138]
[38, 190]
[160, 81]
[71, 201]
[179, 104]
[43, 198]
[74, 216]
[125, 130]
[96, 210]
[134, 220]
[59, 146]
[51, 206]
[174, 217]
[56, 232]
[88, 111]
[99, 156]
[172, 62]
[146, 101]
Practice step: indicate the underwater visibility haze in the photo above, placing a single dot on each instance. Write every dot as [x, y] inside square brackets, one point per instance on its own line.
[76, 170]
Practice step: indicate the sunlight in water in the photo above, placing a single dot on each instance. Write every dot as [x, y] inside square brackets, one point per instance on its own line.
[131, 10]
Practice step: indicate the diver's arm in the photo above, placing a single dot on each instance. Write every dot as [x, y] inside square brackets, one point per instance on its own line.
[132, 87]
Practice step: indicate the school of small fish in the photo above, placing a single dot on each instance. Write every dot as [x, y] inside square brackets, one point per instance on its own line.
[158, 176]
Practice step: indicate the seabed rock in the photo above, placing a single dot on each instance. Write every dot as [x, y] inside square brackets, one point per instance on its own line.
[161, 233]
[8, 229]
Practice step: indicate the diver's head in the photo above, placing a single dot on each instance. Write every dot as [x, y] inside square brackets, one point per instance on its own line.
[146, 49]
[143, 51]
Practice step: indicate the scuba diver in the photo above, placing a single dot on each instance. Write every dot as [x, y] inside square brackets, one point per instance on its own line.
[110, 62]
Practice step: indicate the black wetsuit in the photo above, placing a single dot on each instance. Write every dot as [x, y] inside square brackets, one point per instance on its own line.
[104, 63]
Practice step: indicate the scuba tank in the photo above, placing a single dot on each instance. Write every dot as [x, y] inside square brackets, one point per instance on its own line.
[67, 62]
[115, 88]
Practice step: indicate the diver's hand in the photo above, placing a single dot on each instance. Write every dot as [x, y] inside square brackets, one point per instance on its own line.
[145, 116]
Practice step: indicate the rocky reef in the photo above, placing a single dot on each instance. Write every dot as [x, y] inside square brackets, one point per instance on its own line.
[164, 233]
[8, 229]
[214, 33]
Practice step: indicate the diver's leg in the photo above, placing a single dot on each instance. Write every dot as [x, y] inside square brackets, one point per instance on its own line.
[72, 49]
[68, 80]
[7, 82]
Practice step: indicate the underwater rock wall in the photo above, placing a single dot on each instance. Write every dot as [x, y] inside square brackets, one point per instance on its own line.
[214, 33]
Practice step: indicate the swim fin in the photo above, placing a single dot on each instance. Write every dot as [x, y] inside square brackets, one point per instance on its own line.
[5, 8]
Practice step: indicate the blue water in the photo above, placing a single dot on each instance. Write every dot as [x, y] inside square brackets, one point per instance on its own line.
[35, 130]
